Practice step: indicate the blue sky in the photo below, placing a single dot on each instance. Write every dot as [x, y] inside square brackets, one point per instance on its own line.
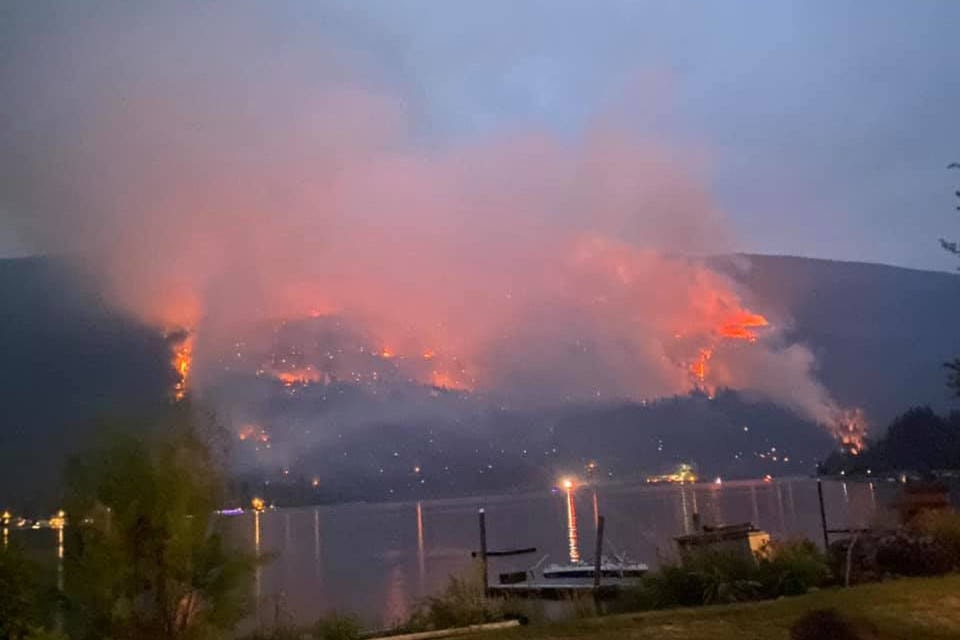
[824, 127]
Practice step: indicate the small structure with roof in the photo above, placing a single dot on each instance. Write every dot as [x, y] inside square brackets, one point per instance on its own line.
[742, 540]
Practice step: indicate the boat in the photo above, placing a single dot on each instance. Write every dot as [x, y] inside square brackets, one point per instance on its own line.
[614, 568]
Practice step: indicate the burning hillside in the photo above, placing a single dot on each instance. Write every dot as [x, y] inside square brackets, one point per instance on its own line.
[526, 268]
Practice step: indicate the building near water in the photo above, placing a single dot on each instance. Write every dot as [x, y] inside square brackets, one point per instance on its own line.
[743, 540]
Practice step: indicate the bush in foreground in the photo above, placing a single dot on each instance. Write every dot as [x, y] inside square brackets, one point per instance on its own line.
[930, 546]
[789, 568]
[462, 603]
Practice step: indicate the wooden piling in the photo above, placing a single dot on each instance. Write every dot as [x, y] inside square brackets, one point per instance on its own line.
[483, 549]
[823, 516]
[598, 554]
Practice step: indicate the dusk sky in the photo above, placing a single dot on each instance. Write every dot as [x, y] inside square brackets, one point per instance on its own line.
[820, 128]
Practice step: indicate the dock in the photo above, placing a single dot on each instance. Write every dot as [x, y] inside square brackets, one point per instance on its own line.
[552, 591]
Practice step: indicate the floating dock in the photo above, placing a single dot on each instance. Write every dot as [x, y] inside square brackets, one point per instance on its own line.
[552, 590]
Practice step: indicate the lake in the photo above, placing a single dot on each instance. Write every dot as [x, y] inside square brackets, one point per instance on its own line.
[378, 560]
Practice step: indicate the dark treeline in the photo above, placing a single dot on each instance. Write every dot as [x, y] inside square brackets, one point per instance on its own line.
[919, 441]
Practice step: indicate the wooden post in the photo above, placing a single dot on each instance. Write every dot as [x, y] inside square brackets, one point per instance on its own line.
[823, 516]
[599, 553]
[483, 550]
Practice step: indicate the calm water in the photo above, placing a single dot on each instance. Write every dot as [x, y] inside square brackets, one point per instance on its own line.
[378, 560]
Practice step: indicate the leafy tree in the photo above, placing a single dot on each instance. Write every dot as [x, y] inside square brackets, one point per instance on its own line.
[27, 596]
[144, 557]
[17, 589]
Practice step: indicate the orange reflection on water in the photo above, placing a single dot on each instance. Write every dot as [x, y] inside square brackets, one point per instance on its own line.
[257, 563]
[572, 536]
[420, 558]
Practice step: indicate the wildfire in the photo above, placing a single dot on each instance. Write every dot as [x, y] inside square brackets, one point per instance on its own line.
[299, 376]
[698, 368]
[182, 362]
[443, 380]
[850, 428]
[741, 325]
[253, 433]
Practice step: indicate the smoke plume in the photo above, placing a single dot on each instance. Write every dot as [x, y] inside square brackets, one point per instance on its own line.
[215, 183]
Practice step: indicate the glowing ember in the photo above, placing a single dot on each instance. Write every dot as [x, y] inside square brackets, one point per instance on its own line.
[253, 433]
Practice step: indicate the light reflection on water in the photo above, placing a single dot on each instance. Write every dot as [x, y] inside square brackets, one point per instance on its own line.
[378, 560]
[572, 538]
[420, 557]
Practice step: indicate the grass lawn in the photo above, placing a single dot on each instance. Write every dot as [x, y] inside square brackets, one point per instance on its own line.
[911, 609]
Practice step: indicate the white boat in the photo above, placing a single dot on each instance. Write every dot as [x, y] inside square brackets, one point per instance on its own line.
[613, 570]
[610, 568]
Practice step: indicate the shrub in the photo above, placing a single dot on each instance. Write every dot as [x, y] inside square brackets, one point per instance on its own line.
[792, 567]
[904, 552]
[336, 627]
[702, 578]
[788, 568]
[462, 603]
[24, 600]
[943, 526]
[908, 553]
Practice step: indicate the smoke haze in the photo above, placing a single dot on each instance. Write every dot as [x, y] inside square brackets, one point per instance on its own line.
[217, 177]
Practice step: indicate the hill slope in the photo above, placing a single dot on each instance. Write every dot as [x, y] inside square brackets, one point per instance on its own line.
[880, 335]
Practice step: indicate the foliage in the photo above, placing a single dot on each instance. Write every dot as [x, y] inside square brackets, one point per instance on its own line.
[911, 608]
[336, 627]
[906, 551]
[702, 578]
[824, 624]
[792, 567]
[462, 603]
[144, 559]
[944, 527]
[789, 568]
[18, 590]
[331, 627]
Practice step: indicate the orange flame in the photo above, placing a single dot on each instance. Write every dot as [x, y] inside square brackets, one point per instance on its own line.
[443, 380]
[739, 325]
[182, 362]
[253, 433]
[698, 368]
[299, 376]
[850, 428]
